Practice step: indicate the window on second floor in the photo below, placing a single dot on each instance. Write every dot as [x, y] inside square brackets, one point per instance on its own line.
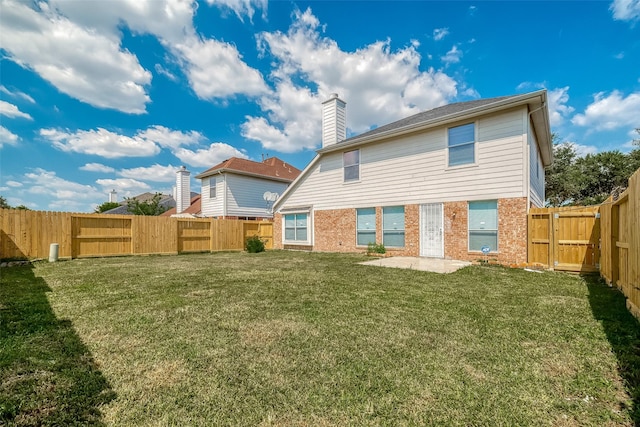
[351, 163]
[461, 142]
[212, 188]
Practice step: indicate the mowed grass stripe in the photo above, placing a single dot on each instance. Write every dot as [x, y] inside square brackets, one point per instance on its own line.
[294, 338]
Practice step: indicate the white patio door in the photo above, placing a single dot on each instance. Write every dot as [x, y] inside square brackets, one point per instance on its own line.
[431, 230]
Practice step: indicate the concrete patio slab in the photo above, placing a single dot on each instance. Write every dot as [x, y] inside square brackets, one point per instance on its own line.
[436, 265]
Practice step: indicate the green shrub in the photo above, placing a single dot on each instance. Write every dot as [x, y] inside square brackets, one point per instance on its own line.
[376, 248]
[254, 245]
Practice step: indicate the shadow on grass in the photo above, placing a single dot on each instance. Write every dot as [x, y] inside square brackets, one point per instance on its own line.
[47, 375]
[623, 332]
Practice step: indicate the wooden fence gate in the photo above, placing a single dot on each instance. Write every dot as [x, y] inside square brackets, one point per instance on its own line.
[565, 239]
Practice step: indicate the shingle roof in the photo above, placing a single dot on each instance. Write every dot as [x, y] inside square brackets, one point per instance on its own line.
[272, 167]
[165, 201]
[195, 207]
[430, 115]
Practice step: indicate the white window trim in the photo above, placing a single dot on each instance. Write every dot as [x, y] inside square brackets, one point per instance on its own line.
[404, 229]
[474, 164]
[309, 241]
[375, 229]
[213, 181]
[351, 181]
[497, 230]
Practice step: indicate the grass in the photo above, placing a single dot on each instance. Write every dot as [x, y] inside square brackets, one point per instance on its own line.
[297, 339]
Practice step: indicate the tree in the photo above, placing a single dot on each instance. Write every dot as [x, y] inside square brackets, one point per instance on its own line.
[560, 177]
[4, 204]
[150, 207]
[588, 180]
[600, 174]
[106, 206]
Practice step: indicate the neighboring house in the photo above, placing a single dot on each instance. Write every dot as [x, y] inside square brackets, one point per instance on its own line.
[166, 201]
[236, 188]
[444, 183]
[192, 211]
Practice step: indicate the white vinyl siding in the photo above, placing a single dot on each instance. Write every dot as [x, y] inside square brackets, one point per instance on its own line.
[245, 195]
[365, 226]
[393, 226]
[351, 162]
[212, 206]
[238, 195]
[461, 142]
[412, 169]
[483, 225]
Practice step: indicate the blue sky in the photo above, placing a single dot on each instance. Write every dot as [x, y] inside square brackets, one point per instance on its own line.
[117, 94]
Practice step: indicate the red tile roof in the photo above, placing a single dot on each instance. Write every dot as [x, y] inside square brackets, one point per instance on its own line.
[194, 208]
[271, 168]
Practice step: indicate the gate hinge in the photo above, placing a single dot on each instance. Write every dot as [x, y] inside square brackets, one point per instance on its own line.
[556, 215]
[597, 215]
[555, 263]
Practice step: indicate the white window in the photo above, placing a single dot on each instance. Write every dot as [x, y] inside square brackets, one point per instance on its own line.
[393, 226]
[365, 226]
[351, 163]
[212, 188]
[483, 225]
[461, 143]
[296, 228]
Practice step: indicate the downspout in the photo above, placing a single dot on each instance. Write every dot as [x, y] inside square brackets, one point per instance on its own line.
[224, 195]
[529, 128]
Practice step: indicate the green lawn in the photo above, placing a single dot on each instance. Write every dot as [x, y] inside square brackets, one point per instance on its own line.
[307, 339]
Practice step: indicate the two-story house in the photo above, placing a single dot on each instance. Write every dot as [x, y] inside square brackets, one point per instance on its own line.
[455, 182]
[243, 189]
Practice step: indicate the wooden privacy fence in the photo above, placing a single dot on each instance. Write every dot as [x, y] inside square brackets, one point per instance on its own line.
[565, 238]
[620, 242]
[29, 234]
[604, 238]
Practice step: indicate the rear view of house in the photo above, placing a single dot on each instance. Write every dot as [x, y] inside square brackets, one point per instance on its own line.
[453, 182]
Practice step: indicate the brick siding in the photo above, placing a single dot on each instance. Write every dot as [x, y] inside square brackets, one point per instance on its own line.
[335, 231]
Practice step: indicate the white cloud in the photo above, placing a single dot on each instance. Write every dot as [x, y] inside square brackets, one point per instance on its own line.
[17, 94]
[125, 187]
[625, 10]
[453, 56]
[14, 184]
[378, 84]
[164, 72]
[69, 195]
[7, 137]
[243, 7]
[80, 62]
[440, 33]
[619, 55]
[558, 108]
[12, 111]
[608, 112]
[157, 173]
[100, 142]
[170, 20]
[97, 167]
[582, 150]
[216, 70]
[208, 157]
[168, 138]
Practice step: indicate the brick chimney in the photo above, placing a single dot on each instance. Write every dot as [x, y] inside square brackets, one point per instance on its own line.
[334, 120]
[183, 189]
